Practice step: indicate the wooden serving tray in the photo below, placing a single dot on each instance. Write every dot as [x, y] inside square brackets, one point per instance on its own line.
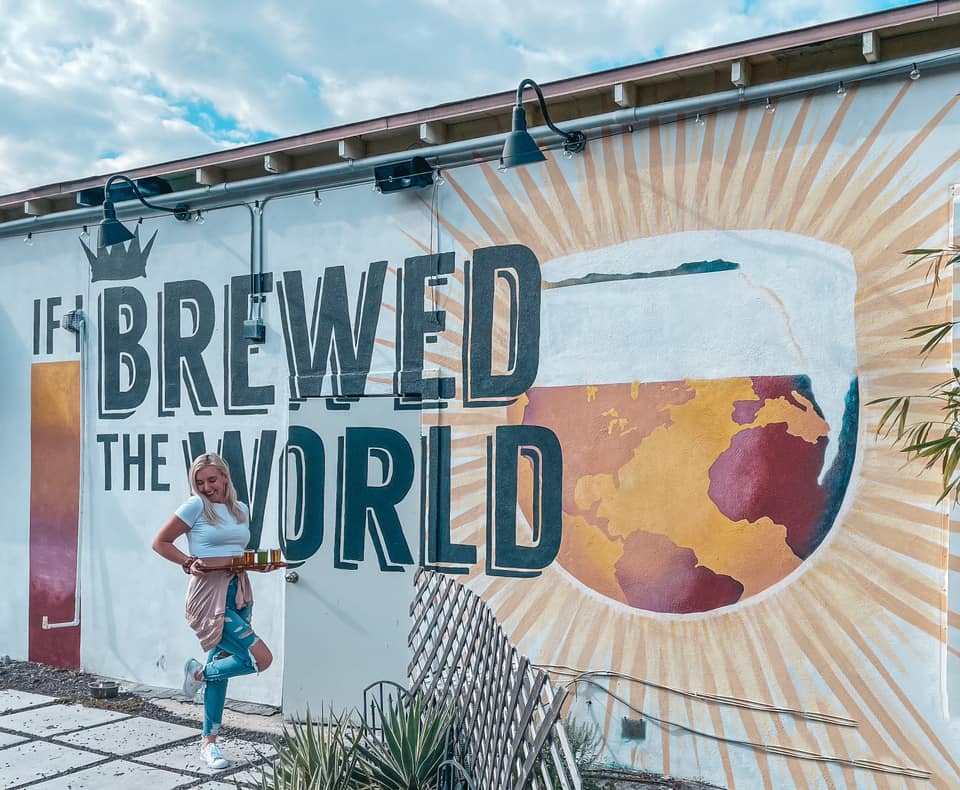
[257, 566]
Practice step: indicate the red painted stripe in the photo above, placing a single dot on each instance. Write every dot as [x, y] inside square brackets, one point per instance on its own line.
[54, 510]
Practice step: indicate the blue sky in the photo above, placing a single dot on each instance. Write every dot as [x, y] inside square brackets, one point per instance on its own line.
[92, 86]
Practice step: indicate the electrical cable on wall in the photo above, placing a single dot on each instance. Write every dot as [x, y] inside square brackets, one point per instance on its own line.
[764, 707]
[769, 748]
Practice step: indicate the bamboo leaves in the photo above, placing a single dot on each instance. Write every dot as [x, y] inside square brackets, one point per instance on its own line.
[937, 260]
[934, 441]
[933, 332]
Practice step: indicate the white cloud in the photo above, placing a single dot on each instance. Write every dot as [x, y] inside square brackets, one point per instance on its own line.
[93, 86]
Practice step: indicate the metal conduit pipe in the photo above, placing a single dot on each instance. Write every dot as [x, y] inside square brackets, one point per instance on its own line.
[450, 155]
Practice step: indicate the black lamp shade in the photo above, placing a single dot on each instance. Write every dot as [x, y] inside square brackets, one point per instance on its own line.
[112, 230]
[519, 147]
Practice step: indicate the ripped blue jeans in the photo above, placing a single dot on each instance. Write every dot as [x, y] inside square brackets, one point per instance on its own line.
[230, 658]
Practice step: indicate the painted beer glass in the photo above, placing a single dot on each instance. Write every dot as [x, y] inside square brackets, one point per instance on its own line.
[707, 412]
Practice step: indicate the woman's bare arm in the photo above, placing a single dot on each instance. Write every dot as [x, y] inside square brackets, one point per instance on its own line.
[163, 542]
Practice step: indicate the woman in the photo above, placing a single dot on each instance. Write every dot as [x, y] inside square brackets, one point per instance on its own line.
[219, 599]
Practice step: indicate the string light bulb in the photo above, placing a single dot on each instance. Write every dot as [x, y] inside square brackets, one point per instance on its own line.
[85, 235]
[699, 120]
[770, 107]
[440, 180]
[28, 239]
[317, 200]
[914, 73]
[841, 89]
[200, 219]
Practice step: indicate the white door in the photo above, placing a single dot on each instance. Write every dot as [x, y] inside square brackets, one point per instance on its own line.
[352, 513]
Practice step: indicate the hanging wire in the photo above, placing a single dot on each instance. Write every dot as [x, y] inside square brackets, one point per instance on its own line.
[769, 748]
[749, 704]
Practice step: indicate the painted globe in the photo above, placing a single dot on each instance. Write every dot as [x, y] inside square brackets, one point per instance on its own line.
[703, 388]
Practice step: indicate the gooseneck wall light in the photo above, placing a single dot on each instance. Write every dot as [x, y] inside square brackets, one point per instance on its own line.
[112, 230]
[519, 147]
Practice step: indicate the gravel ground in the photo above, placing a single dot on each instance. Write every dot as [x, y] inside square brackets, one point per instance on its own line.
[70, 686]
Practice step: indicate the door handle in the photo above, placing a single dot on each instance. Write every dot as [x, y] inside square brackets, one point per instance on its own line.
[292, 577]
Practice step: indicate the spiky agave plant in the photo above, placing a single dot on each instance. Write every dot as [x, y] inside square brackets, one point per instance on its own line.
[413, 745]
[317, 757]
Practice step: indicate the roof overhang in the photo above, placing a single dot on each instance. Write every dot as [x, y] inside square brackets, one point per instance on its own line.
[874, 38]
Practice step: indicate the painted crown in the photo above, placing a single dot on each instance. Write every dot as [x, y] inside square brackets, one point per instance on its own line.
[120, 262]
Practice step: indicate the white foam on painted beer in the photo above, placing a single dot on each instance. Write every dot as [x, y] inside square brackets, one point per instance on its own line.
[787, 310]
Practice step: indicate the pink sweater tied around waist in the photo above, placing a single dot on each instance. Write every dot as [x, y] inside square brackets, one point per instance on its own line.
[207, 603]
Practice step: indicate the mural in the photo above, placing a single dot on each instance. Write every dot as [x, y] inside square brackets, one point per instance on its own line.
[750, 611]
[54, 510]
[736, 465]
[688, 494]
[640, 376]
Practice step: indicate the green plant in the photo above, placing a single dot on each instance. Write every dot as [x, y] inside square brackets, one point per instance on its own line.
[937, 440]
[317, 757]
[413, 745]
[586, 744]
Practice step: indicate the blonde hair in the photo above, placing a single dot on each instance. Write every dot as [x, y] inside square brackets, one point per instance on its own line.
[230, 497]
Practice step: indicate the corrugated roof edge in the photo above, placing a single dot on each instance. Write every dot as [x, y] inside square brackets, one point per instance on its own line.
[673, 65]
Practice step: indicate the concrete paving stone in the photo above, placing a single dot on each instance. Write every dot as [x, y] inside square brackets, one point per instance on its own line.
[215, 786]
[272, 724]
[11, 700]
[57, 719]
[9, 740]
[186, 757]
[249, 777]
[35, 760]
[117, 775]
[129, 736]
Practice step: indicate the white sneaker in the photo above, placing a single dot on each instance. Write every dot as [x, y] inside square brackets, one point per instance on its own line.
[213, 757]
[190, 683]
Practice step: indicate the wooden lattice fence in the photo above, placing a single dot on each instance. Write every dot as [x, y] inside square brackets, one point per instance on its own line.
[508, 734]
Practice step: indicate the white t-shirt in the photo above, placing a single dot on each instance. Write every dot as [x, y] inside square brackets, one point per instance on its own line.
[227, 538]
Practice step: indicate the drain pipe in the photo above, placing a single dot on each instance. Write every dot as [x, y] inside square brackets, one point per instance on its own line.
[464, 152]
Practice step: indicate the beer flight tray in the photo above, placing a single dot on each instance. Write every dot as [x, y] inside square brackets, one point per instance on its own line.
[255, 560]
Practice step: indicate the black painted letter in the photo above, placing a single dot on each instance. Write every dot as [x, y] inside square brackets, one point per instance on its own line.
[123, 320]
[516, 268]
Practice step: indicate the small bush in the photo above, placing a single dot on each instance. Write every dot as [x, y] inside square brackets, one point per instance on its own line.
[318, 757]
[413, 746]
[586, 744]
[341, 756]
